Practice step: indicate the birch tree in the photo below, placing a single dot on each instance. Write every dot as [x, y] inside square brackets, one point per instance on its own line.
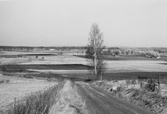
[95, 51]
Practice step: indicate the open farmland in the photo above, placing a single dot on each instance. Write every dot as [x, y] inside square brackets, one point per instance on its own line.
[29, 67]
[69, 65]
[64, 59]
[5, 61]
[77, 63]
[136, 66]
[18, 88]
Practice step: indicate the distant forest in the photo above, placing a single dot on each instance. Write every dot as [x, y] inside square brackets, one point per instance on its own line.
[29, 48]
[66, 48]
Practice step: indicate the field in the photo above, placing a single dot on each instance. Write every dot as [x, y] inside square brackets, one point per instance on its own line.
[136, 66]
[23, 75]
[73, 65]
[18, 88]
[129, 57]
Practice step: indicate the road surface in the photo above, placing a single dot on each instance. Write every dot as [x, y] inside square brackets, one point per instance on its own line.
[100, 102]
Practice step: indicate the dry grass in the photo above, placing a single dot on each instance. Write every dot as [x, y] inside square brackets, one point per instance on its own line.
[37, 103]
[136, 66]
[68, 100]
[58, 60]
[142, 98]
[19, 88]
[60, 99]
[5, 61]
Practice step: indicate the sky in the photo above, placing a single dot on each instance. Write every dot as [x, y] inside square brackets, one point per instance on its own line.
[135, 23]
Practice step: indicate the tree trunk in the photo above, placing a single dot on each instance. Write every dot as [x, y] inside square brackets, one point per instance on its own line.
[95, 66]
[101, 76]
[159, 88]
[95, 57]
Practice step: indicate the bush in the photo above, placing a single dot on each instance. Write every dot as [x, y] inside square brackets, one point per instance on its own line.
[4, 81]
[150, 86]
[119, 89]
[28, 76]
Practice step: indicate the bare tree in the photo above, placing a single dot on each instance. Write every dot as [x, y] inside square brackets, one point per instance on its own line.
[95, 51]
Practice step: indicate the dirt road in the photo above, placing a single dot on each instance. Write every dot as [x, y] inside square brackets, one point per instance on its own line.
[100, 102]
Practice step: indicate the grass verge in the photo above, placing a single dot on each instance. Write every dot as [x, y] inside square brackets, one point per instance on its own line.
[68, 101]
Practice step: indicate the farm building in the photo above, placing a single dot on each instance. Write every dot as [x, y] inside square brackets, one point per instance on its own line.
[51, 49]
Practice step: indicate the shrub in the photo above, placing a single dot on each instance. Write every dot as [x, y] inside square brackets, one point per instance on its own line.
[150, 86]
[5, 81]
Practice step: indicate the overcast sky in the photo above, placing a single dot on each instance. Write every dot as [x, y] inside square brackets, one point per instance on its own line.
[68, 22]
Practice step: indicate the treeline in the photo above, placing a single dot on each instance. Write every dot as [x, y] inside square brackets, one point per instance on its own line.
[27, 48]
[142, 52]
[161, 50]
